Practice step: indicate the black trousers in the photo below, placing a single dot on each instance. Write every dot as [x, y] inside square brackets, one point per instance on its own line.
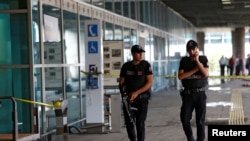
[193, 101]
[222, 70]
[136, 130]
[231, 70]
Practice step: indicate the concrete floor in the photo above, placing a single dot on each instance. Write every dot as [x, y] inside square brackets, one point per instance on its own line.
[163, 122]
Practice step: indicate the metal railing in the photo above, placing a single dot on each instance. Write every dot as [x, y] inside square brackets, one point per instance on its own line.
[14, 116]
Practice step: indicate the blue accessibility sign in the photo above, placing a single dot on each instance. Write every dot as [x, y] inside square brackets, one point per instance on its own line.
[92, 47]
[92, 30]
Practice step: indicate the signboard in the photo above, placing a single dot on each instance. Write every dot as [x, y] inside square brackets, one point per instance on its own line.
[113, 61]
[94, 66]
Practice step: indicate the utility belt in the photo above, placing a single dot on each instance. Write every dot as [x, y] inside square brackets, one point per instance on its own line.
[192, 90]
[144, 96]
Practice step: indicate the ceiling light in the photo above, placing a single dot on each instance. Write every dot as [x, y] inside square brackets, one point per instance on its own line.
[246, 6]
[226, 2]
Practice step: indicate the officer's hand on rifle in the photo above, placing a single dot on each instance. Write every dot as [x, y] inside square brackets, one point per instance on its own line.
[121, 88]
[133, 96]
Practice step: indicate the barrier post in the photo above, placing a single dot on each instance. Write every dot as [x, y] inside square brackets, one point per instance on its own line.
[14, 116]
[61, 109]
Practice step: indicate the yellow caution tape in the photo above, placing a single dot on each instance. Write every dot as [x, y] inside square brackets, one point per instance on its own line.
[225, 77]
[91, 73]
[55, 104]
[233, 76]
[58, 104]
[98, 73]
[34, 102]
[164, 76]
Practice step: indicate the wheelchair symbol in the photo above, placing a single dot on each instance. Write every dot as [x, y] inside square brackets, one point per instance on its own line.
[93, 47]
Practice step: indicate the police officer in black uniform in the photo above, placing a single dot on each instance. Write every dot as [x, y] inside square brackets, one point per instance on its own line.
[136, 79]
[193, 73]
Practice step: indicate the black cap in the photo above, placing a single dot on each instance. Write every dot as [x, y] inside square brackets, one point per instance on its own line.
[137, 49]
[191, 44]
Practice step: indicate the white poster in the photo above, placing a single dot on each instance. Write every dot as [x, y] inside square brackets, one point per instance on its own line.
[113, 60]
[51, 29]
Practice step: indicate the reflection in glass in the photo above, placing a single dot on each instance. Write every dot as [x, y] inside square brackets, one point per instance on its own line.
[82, 41]
[109, 5]
[14, 45]
[133, 36]
[53, 84]
[118, 32]
[35, 32]
[37, 84]
[147, 10]
[118, 7]
[52, 44]
[36, 45]
[126, 37]
[108, 31]
[38, 94]
[99, 3]
[83, 77]
[126, 8]
[134, 10]
[73, 87]
[13, 4]
[144, 11]
[127, 44]
[148, 48]
[53, 91]
[70, 34]
[72, 80]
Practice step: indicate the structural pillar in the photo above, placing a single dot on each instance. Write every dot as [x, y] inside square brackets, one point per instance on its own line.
[238, 41]
[201, 41]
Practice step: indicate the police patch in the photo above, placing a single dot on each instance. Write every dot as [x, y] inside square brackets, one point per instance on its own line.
[150, 69]
[139, 73]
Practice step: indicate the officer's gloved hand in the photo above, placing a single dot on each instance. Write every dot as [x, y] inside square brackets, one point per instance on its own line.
[121, 89]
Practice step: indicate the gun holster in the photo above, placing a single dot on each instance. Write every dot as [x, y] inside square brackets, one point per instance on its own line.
[182, 91]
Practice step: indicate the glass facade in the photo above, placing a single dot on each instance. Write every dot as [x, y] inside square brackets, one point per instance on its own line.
[43, 51]
[14, 39]
[14, 66]
[13, 4]
[13, 84]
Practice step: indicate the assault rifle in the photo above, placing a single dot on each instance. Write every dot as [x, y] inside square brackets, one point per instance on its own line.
[126, 103]
[128, 108]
